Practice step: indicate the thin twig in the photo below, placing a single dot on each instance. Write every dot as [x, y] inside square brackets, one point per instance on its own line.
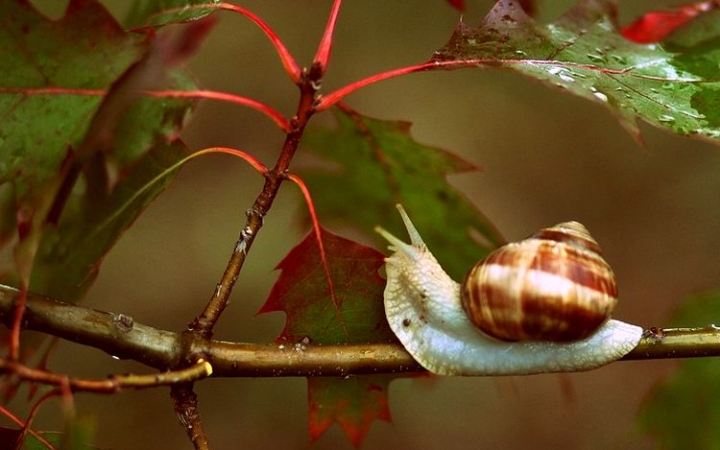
[12, 417]
[113, 383]
[26, 428]
[185, 404]
[204, 323]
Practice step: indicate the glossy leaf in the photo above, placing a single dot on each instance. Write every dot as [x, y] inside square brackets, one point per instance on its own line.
[684, 410]
[380, 164]
[583, 53]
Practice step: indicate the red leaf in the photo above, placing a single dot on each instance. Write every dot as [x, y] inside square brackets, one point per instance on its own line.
[335, 299]
[529, 6]
[457, 4]
[656, 26]
[353, 403]
[340, 302]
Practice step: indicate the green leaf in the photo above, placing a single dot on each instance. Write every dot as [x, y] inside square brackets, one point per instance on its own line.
[380, 165]
[335, 299]
[339, 302]
[675, 88]
[153, 13]
[80, 432]
[697, 40]
[71, 96]
[684, 410]
[656, 26]
[69, 256]
[42, 60]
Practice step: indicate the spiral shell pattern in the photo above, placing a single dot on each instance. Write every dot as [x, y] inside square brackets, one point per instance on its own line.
[552, 286]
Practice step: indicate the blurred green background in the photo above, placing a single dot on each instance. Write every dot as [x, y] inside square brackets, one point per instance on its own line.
[546, 157]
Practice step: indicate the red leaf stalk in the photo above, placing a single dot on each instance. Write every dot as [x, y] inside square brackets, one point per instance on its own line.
[291, 66]
[332, 98]
[318, 235]
[250, 159]
[322, 57]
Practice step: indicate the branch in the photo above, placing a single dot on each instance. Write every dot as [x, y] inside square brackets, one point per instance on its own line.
[202, 326]
[185, 404]
[119, 335]
[111, 384]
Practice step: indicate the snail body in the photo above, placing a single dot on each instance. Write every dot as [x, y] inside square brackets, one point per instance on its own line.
[426, 309]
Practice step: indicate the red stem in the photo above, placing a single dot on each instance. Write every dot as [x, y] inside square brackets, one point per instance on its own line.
[332, 98]
[288, 62]
[14, 339]
[291, 66]
[321, 248]
[199, 94]
[6, 412]
[33, 412]
[322, 57]
[275, 116]
[250, 159]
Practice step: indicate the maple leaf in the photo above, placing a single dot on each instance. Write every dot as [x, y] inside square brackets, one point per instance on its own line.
[335, 297]
[69, 256]
[70, 102]
[354, 403]
[583, 53]
[382, 165]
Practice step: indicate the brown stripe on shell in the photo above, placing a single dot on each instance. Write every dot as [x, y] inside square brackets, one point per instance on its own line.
[581, 266]
[572, 233]
[568, 317]
[514, 294]
[489, 306]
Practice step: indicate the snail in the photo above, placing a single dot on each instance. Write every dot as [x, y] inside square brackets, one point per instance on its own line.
[561, 293]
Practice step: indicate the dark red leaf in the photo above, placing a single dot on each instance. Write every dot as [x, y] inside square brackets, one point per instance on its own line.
[457, 4]
[655, 26]
[529, 6]
[328, 300]
[338, 300]
[354, 403]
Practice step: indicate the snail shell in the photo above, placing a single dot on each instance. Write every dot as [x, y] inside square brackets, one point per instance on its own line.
[552, 286]
[424, 309]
